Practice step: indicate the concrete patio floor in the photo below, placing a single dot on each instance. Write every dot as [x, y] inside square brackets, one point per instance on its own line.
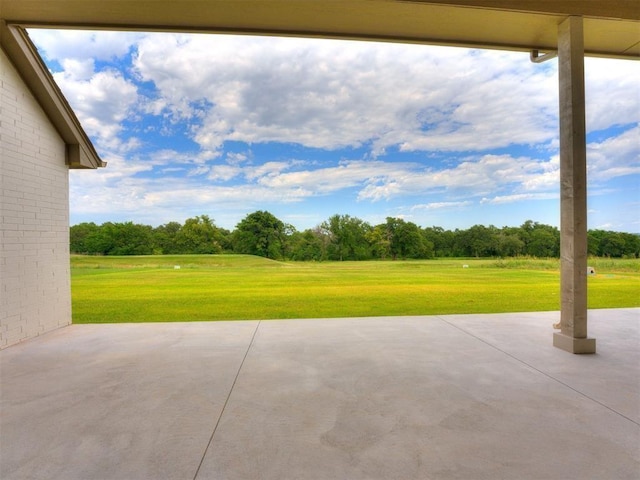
[434, 397]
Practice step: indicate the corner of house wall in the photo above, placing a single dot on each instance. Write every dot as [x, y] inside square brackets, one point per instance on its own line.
[35, 284]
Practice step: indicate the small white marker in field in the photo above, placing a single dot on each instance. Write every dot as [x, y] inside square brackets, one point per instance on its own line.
[176, 267]
[465, 266]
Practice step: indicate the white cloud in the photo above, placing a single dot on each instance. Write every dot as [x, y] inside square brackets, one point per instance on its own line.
[83, 44]
[196, 196]
[112, 189]
[376, 180]
[79, 70]
[613, 92]
[223, 173]
[236, 158]
[102, 101]
[615, 157]
[330, 94]
[327, 95]
[474, 177]
[441, 205]
[199, 170]
[325, 180]
[520, 197]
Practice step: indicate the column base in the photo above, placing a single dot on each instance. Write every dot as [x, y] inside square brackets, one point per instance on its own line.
[574, 345]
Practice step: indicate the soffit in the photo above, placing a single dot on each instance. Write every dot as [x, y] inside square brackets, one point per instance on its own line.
[612, 27]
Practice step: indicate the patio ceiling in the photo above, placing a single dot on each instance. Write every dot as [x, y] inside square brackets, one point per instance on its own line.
[611, 28]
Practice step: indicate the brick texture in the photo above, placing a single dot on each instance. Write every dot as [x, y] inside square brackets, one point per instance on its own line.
[35, 291]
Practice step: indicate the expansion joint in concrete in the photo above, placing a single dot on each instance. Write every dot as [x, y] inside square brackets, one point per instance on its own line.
[589, 346]
[215, 428]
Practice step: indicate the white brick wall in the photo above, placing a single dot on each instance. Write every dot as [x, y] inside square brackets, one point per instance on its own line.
[35, 292]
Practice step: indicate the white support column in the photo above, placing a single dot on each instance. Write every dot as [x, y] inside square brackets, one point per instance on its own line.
[573, 191]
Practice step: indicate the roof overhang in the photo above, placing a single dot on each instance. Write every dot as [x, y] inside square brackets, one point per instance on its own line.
[611, 29]
[80, 152]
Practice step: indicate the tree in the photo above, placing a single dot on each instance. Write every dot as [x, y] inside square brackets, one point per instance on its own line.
[544, 242]
[198, 235]
[78, 235]
[224, 239]
[631, 245]
[260, 233]
[509, 244]
[593, 242]
[443, 241]
[307, 245]
[477, 241]
[612, 245]
[348, 237]
[393, 230]
[126, 238]
[341, 237]
[540, 240]
[131, 239]
[288, 232]
[406, 239]
[164, 238]
[379, 241]
[99, 241]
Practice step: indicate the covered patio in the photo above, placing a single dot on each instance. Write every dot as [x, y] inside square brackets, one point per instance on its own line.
[35, 106]
[440, 397]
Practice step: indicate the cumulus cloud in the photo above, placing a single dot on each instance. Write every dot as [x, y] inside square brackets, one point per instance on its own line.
[613, 92]
[489, 173]
[102, 100]
[333, 94]
[223, 173]
[520, 197]
[102, 97]
[441, 205]
[83, 44]
[324, 180]
[391, 122]
[330, 94]
[616, 156]
[115, 188]
[378, 180]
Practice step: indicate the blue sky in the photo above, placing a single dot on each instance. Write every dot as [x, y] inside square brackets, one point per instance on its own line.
[226, 125]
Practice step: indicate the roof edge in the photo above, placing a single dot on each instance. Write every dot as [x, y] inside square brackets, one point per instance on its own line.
[630, 53]
[24, 55]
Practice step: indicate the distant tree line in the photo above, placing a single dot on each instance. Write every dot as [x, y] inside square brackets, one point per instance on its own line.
[341, 237]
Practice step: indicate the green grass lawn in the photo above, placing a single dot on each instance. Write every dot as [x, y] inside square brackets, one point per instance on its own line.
[236, 287]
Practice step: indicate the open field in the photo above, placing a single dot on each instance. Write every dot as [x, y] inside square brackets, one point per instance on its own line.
[227, 287]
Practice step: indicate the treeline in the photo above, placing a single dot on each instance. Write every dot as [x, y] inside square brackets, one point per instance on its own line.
[341, 237]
